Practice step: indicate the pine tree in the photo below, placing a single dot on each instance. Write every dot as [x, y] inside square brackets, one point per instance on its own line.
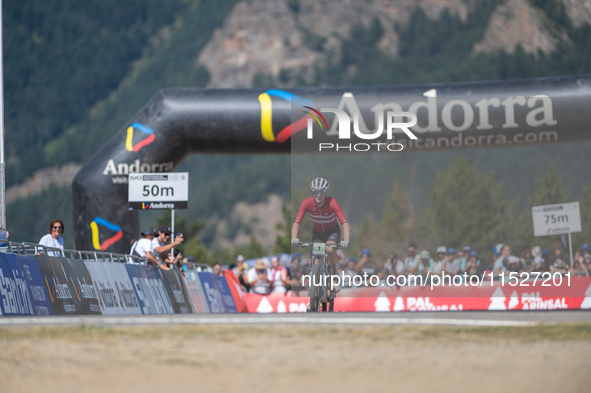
[469, 208]
[548, 189]
[283, 238]
[396, 213]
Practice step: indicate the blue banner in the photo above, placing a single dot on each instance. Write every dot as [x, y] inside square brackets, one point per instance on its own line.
[149, 289]
[221, 284]
[14, 294]
[212, 293]
[59, 291]
[32, 275]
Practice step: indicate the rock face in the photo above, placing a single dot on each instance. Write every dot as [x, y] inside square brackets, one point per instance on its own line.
[579, 11]
[259, 219]
[266, 36]
[514, 23]
[41, 180]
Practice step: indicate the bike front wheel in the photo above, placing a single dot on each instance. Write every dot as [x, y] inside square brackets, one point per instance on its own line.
[315, 287]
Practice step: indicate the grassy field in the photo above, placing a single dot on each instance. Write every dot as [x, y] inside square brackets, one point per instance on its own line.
[544, 358]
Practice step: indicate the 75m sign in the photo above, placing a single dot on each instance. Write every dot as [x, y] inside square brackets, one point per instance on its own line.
[556, 219]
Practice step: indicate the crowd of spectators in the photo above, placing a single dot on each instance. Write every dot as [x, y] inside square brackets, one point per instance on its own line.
[452, 262]
[269, 275]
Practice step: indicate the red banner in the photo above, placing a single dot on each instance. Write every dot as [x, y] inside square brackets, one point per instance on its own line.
[573, 295]
[236, 290]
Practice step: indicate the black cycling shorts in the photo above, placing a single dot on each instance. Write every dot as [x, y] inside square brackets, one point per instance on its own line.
[333, 235]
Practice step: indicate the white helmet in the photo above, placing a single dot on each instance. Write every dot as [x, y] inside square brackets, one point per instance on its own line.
[319, 184]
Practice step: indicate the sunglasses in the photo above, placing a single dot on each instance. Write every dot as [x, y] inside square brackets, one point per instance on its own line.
[319, 192]
[57, 227]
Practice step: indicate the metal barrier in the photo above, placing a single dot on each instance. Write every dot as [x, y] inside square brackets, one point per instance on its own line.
[32, 249]
[202, 267]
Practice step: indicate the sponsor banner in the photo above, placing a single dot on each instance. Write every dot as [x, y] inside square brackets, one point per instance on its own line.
[275, 303]
[495, 298]
[212, 293]
[81, 285]
[31, 274]
[183, 280]
[196, 293]
[108, 297]
[158, 289]
[15, 298]
[174, 287]
[226, 294]
[236, 290]
[149, 289]
[158, 205]
[128, 300]
[59, 292]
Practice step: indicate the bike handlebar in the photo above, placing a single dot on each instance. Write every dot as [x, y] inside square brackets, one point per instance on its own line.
[304, 245]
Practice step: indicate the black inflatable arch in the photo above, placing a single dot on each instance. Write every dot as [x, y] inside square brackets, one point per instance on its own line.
[177, 122]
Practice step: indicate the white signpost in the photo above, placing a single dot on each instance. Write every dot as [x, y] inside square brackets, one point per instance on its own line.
[161, 191]
[557, 219]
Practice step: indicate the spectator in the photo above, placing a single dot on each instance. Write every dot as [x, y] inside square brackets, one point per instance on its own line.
[278, 276]
[586, 254]
[515, 265]
[556, 262]
[537, 260]
[3, 236]
[162, 245]
[411, 262]
[349, 272]
[545, 259]
[425, 264]
[473, 265]
[452, 265]
[259, 278]
[295, 274]
[497, 250]
[176, 260]
[464, 258]
[54, 237]
[579, 266]
[501, 265]
[191, 262]
[217, 269]
[527, 260]
[367, 266]
[240, 272]
[438, 266]
[143, 248]
[394, 266]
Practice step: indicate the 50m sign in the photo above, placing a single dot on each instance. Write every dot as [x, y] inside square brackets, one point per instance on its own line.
[158, 191]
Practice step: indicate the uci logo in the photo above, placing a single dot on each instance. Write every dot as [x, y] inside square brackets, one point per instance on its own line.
[267, 116]
[151, 137]
[136, 177]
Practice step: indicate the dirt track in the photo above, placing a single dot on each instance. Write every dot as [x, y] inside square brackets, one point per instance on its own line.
[295, 359]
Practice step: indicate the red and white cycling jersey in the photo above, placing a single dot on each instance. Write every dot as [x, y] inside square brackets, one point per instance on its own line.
[325, 217]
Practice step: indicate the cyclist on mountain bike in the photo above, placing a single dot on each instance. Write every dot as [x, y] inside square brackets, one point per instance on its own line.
[324, 212]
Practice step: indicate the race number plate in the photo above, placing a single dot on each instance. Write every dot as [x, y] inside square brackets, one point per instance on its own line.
[318, 249]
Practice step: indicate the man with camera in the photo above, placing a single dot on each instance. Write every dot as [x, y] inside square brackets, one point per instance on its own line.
[162, 244]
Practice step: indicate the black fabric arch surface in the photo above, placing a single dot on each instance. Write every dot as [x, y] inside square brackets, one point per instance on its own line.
[178, 122]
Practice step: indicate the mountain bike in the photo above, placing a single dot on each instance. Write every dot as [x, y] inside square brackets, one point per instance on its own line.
[322, 293]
